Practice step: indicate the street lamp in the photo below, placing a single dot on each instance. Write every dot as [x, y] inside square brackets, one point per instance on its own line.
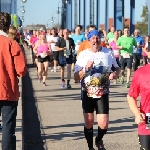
[67, 1]
[24, 1]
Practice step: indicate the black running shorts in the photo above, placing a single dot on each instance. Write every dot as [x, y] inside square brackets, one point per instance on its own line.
[101, 105]
[41, 60]
[144, 141]
[55, 55]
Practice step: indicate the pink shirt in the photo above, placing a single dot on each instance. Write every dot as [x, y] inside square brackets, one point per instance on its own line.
[115, 49]
[143, 53]
[43, 48]
[141, 86]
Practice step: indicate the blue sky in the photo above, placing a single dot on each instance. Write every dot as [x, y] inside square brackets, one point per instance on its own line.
[42, 11]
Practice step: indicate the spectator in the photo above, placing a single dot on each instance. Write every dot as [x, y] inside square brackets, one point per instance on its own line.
[12, 65]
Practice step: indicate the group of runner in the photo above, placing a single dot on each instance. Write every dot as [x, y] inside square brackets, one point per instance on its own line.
[96, 57]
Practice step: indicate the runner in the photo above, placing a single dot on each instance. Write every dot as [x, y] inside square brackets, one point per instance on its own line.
[110, 35]
[140, 87]
[137, 52]
[78, 38]
[116, 51]
[43, 50]
[147, 38]
[65, 47]
[93, 68]
[33, 37]
[84, 45]
[33, 44]
[52, 40]
[125, 43]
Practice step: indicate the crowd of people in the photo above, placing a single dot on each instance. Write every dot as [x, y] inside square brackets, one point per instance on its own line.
[128, 50]
[95, 56]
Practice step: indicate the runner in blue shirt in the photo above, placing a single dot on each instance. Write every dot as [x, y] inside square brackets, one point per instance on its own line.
[137, 52]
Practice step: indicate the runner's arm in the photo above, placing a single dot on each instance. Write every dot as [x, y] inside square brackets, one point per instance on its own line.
[35, 47]
[133, 93]
[79, 72]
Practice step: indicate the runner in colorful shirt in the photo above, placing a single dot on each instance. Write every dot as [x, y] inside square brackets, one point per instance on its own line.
[93, 68]
[115, 50]
[137, 52]
[125, 43]
[140, 87]
[110, 35]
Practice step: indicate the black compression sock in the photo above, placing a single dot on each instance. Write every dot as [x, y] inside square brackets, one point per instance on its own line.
[89, 136]
[101, 133]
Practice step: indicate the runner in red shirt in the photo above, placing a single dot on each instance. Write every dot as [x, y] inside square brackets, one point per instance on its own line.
[141, 86]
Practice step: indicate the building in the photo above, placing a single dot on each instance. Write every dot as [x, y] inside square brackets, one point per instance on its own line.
[35, 27]
[111, 23]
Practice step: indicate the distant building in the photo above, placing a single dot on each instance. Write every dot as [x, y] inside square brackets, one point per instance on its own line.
[111, 23]
[35, 27]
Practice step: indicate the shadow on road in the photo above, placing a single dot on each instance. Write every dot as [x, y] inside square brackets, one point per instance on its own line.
[32, 139]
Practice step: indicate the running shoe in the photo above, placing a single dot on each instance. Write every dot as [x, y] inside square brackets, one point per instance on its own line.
[99, 144]
[68, 86]
[52, 70]
[127, 85]
[63, 85]
[44, 84]
[122, 80]
[91, 149]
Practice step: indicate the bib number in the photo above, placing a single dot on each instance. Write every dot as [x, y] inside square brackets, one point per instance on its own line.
[95, 92]
[147, 120]
[67, 53]
[126, 56]
[116, 52]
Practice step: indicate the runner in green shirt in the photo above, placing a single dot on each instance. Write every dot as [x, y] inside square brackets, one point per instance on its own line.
[125, 43]
[110, 35]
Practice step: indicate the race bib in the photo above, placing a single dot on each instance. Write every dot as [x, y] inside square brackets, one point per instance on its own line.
[116, 52]
[147, 120]
[126, 55]
[95, 92]
[67, 53]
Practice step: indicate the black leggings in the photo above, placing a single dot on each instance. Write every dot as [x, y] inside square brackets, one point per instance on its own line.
[136, 61]
[144, 141]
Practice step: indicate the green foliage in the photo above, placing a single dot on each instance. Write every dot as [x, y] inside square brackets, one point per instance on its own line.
[145, 14]
[143, 25]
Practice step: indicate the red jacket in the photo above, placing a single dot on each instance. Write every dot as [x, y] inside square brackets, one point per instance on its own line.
[12, 66]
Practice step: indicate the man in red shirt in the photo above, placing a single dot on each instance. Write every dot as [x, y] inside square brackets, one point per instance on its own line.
[141, 86]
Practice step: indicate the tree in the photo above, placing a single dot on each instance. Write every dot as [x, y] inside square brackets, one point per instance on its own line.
[143, 25]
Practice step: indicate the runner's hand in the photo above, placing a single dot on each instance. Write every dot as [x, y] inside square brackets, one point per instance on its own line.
[140, 118]
[64, 48]
[89, 65]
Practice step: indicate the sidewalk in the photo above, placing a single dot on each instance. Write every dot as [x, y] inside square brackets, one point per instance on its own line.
[53, 117]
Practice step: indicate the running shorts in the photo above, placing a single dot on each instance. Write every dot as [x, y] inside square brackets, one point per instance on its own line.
[101, 105]
[144, 141]
[43, 59]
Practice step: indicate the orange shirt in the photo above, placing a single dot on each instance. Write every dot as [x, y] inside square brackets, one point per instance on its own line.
[85, 44]
[12, 66]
